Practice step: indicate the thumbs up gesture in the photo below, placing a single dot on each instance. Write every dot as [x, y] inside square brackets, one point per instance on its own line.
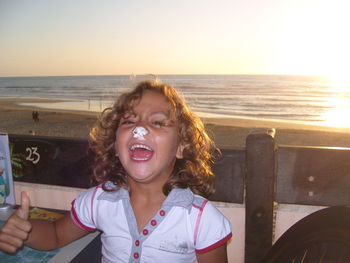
[23, 211]
[16, 230]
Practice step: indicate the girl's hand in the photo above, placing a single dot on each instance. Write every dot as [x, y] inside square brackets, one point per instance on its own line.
[17, 228]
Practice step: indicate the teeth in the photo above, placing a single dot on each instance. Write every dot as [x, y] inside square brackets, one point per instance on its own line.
[133, 147]
[139, 159]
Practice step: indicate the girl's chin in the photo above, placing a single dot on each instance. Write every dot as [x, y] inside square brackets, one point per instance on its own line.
[140, 178]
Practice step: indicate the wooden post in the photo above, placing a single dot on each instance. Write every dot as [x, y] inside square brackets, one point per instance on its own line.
[260, 193]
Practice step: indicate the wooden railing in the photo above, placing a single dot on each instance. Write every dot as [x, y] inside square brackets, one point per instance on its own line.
[257, 177]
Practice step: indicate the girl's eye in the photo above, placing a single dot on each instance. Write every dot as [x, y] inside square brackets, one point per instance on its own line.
[158, 123]
[161, 123]
[127, 122]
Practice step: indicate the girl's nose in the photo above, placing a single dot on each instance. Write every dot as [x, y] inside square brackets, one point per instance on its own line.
[139, 132]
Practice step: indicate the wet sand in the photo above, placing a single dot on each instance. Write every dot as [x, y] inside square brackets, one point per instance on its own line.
[226, 132]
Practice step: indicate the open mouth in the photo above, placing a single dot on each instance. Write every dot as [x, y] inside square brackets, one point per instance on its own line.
[140, 152]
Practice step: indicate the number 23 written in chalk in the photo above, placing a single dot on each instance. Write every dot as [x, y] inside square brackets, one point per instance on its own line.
[33, 155]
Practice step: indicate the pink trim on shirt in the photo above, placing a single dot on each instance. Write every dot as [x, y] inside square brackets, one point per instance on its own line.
[199, 216]
[215, 245]
[76, 220]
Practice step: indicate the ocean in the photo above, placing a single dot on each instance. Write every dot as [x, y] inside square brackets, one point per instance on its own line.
[312, 100]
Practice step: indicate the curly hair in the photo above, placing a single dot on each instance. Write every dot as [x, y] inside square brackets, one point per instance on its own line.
[193, 171]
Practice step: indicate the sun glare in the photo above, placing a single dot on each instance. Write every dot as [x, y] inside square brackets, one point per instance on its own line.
[338, 109]
[339, 80]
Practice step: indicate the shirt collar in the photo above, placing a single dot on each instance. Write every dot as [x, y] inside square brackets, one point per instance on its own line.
[177, 197]
[180, 197]
[114, 196]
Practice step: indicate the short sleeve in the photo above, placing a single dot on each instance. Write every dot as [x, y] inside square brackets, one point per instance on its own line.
[214, 229]
[82, 211]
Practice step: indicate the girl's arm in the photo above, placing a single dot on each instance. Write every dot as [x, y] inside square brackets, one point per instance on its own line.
[46, 235]
[217, 255]
[38, 234]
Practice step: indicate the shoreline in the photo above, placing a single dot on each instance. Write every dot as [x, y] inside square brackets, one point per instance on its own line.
[212, 118]
[226, 131]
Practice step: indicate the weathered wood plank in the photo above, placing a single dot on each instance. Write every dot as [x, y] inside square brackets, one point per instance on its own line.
[66, 162]
[313, 176]
[229, 173]
[260, 161]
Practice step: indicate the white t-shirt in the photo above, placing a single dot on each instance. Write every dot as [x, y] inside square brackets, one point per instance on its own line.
[186, 224]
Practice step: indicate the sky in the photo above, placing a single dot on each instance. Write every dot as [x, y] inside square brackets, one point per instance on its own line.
[111, 37]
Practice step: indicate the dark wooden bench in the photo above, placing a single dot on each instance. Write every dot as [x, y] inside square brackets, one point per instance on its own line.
[257, 176]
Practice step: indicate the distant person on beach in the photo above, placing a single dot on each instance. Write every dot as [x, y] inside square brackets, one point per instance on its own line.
[152, 167]
[35, 116]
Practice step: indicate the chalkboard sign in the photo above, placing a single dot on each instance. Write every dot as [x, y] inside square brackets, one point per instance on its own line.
[51, 160]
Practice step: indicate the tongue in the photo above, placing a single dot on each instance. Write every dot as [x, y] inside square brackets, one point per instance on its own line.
[141, 153]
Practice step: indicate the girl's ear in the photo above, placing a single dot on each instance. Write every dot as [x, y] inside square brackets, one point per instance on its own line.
[179, 153]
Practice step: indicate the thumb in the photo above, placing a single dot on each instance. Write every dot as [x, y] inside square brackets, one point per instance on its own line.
[23, 210]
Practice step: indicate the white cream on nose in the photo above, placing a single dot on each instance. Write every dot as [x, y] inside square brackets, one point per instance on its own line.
[139, 132]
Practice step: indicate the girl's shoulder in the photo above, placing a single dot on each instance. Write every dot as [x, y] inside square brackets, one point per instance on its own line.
[199, 201]
[99, 194]
[211, 227]
[204, 208]
[187, 199]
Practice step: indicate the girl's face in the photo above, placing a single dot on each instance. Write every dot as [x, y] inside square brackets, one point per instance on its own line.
[149, 156]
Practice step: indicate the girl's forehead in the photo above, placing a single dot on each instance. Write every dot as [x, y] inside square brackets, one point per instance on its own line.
[152, 101]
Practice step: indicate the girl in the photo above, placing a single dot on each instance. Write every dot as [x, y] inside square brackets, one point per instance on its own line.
[152, 167]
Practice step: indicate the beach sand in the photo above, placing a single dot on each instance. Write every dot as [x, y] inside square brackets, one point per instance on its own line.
[226, 132]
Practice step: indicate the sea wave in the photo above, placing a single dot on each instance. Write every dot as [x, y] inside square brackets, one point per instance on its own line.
[295, 98]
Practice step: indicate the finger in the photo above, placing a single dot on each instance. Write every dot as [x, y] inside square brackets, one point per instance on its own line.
[20, 230]
[25, 226]
[8, 248]
[11, 241]
[23, 210]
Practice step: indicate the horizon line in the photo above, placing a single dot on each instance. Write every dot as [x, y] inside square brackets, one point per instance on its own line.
[166, 74]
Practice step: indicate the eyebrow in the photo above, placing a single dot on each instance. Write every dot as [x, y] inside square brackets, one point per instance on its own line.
[128, 114]
[165, 114]
[159, 112]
